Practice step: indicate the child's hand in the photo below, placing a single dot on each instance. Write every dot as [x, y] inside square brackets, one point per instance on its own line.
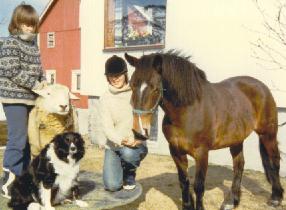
[101, 147]
[131, 144]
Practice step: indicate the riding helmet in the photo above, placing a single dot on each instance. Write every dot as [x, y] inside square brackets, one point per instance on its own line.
[115, 66]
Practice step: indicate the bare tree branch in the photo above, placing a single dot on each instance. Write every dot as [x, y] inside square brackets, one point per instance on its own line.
[270, 48]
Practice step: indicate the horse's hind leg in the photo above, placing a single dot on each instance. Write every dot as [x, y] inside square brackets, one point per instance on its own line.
[270, 156]
[181, 162]
[238, 165]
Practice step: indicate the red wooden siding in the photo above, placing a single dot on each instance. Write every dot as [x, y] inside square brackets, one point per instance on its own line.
[63, 19]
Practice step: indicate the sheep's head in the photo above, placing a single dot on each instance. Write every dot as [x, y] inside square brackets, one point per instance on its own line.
[55, 99]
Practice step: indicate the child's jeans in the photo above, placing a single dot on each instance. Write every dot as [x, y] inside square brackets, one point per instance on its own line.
[120, 166]
[17, 152]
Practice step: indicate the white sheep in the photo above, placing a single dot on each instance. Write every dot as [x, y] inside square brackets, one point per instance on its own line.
[53, 114]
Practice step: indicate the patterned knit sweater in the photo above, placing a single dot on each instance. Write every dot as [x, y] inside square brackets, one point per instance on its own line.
[20, 70]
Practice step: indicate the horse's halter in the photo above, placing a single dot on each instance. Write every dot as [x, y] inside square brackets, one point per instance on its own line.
[152, 110]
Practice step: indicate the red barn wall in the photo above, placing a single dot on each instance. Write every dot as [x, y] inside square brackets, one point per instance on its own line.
[63, 19]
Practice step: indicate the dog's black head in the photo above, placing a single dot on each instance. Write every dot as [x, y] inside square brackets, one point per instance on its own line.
[69, 144]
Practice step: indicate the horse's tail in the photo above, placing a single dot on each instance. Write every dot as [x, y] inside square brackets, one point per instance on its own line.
[270, 156]
[267, 127]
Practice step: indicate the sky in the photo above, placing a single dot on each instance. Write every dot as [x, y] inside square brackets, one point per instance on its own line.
[7, 7]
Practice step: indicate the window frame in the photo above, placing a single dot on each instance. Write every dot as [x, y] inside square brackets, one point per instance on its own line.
[107, 48]
[51, 40]
[50, 72]
[74, 81]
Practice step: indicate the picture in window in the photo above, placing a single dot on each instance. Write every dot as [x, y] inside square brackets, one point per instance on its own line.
[135, 23]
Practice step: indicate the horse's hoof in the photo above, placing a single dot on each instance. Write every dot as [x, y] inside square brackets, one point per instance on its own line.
[274, 203]
[227, 207]
[188, 207]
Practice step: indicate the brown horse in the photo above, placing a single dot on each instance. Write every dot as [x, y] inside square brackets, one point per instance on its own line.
[202, 116]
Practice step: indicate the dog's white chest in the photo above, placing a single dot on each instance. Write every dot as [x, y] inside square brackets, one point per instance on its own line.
[66, 178]
[66, 172]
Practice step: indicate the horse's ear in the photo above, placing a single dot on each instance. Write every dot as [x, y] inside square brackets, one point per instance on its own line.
[131, 60]
[157, 63]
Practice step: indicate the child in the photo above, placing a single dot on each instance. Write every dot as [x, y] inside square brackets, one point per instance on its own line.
[20, 72]
[123, 153]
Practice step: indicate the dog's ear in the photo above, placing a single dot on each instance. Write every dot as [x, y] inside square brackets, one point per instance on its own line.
[59, 146]
[80, 146]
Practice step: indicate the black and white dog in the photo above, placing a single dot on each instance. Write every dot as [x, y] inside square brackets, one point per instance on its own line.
[51, 177]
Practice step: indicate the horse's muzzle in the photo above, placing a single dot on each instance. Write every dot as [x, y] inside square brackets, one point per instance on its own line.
[140, 136]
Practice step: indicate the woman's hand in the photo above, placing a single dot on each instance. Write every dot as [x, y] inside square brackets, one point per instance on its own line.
[134, 143]
[40, 85]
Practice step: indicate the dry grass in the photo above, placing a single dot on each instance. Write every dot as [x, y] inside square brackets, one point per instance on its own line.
[161, 191]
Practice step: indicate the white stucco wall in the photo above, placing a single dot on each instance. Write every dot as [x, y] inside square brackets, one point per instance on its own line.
[216, 33]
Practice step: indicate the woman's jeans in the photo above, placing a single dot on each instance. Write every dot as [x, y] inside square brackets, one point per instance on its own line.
[120, 166]
[17, 152]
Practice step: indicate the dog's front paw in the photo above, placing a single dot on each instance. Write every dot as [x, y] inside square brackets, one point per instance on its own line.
[66, 201]
[35, 206]
[49, 208]
[81, 204]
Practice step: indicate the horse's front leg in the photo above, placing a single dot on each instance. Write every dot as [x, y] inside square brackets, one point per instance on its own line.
[201, 158]
[181, 162]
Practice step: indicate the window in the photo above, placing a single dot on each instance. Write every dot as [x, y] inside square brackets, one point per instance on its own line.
[75, 81]
[51, 40]
[78, 82]
[135, 23]
[51, 76]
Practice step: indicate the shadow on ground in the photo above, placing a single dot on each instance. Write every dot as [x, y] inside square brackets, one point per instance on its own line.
[217, 177]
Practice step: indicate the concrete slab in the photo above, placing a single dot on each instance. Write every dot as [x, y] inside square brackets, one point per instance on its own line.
[91, 187]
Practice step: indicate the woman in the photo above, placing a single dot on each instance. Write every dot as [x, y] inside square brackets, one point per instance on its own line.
[123, 153]
[20, 72]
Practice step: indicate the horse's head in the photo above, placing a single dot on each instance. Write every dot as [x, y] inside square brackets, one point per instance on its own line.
[147, 91]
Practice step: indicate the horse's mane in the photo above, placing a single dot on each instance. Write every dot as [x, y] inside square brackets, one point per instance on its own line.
[182, 79]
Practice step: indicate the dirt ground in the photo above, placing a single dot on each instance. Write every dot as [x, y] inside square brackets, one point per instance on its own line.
[161, 191]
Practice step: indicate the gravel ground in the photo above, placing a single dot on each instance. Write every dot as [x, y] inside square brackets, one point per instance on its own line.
[158, 177]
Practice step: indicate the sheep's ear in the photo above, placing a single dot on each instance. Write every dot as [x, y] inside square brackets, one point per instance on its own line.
[72, 96]
[42, 92]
